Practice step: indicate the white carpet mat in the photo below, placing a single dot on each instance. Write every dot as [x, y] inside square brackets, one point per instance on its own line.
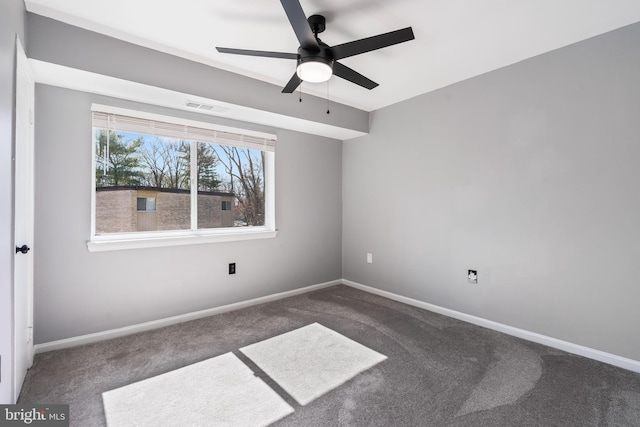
[221, 391]
[312, 360]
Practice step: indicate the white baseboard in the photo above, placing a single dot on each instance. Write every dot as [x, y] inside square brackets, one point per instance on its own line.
[155, 324]
[612, 359]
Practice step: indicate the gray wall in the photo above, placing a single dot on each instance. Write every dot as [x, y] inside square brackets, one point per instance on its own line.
[78, 292]
[528, 174]
[12, 22]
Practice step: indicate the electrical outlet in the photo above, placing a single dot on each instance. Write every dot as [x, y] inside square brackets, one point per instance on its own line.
[232, 268]
[369, 258]
[472, 276]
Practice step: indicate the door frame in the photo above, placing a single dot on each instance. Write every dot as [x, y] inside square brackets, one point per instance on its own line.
[24, 213]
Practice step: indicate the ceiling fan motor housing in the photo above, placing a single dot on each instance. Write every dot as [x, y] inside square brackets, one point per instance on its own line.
[323, 55]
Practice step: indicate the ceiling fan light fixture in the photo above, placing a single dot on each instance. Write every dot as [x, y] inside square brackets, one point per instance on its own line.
[314, 70]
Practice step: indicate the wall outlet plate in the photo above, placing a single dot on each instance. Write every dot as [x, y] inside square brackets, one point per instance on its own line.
[472, 276]
[232, 268]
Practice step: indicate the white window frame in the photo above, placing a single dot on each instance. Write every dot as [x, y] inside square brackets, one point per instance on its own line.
[115, 241]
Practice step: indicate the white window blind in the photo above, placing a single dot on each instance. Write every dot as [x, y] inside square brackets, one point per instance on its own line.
[131, 123]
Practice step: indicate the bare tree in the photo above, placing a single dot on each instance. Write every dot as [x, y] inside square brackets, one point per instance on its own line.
[246, 171]
[177, 166]
[153, 160]
[166, 163]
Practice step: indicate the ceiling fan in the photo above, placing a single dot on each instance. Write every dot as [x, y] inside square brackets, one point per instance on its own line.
[317, 61]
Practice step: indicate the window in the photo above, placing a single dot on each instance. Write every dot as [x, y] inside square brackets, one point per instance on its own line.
[158, 177]
[146, 204]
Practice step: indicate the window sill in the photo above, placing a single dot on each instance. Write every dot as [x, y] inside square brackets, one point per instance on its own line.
[151, 240]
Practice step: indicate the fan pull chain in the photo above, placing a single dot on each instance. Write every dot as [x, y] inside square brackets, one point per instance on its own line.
[300, 92]
[328, 112]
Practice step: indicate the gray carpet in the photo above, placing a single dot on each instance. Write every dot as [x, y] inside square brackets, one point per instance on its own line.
[439, 371]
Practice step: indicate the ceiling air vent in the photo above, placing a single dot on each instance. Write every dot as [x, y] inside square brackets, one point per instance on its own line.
[206, 107]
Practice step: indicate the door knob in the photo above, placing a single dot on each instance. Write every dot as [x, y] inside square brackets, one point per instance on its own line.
[23, 249]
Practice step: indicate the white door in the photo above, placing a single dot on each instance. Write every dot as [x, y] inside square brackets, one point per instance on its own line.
[24, 177]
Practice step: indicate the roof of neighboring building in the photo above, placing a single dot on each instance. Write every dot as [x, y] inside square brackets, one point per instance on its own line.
[163, 190]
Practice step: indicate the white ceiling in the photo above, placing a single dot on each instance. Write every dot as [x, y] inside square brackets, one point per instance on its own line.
[455, 39]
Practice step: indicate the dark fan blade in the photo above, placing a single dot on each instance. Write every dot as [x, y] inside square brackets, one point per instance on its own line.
[282, 55]
[372, 43]
[300, 25]
[293, 84]
[352, 75]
